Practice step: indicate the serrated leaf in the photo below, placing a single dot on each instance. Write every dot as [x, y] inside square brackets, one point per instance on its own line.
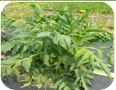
[83, 59]
[18, 63]
[27, 64]
[9, 71]
[15, 71]
[15, 49]
[106, 69]
[68, 41]
[100, 54]
[104, 47]
[88, 82]
[24, 35]
[95, 65]
[7, 46]
[10, 61]
[76, 71]
[72, 66]
[39, 85]
[90, 77]
[84, 84]
[44, 34]
[67, 88]
[63, 40]
[52, 85]
[62, 85]
[77, 79]
[62, 43]
[111, 59]
[56, 39]
[46, 59]
[58, 82]
[43, 78]
[79, 52]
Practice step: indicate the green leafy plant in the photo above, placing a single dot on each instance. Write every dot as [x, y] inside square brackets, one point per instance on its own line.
[56, 50]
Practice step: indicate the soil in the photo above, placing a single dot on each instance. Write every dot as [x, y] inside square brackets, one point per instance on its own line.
[99, 82]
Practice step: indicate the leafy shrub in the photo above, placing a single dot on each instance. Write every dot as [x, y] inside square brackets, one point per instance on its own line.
[56, 50]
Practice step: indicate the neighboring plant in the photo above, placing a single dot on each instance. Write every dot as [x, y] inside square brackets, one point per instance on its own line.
[102, 24]
[111, 26]
[56, 50]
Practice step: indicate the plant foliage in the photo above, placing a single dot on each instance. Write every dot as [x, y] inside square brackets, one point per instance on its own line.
[55, 50]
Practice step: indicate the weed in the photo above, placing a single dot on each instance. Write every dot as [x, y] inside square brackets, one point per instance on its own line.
[55, 50]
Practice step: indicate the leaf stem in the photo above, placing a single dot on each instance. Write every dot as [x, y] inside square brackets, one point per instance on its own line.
[97, 49]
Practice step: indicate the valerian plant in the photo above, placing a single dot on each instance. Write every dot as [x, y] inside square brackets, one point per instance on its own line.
[55, 50]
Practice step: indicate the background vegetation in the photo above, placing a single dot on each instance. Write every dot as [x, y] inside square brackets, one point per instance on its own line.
[93, 6]
[103, 13]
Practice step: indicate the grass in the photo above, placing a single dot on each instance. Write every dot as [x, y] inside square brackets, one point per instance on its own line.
[88, 6]
[13, 9]
[101, 24]
[111, 26]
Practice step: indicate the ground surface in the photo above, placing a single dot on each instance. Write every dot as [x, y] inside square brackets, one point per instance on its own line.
[98, 83]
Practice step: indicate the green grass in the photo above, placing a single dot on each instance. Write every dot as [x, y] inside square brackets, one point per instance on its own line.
[101, 24]
[88, 6]
[111, 26]
[22, 9]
